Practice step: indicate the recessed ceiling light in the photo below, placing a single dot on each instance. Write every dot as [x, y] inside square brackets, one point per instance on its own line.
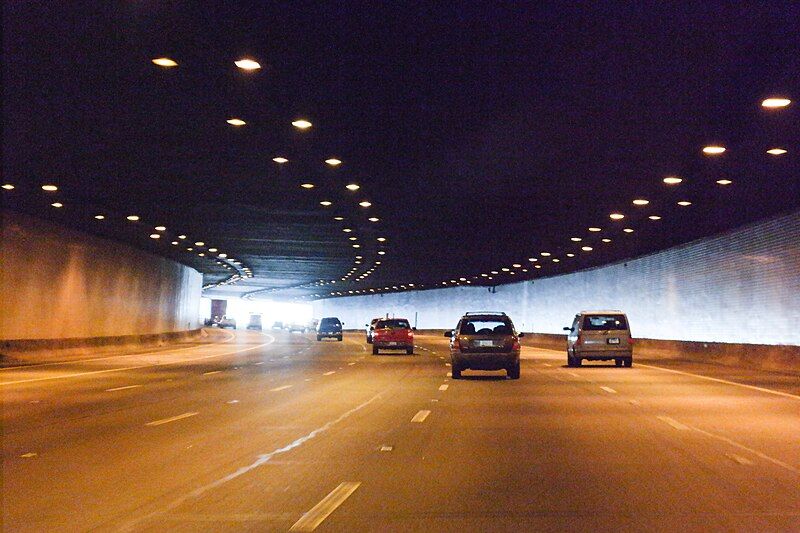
[672, 180]
[606, 240]
[333, 161]
[160, 228]
[641, 201]
[359, 257]
[616, 216]
[575, 239]
[516, 265]
[586, 248]
[381, 253]
[57, 204]
[99, 217]
[570, 255]
[280, 160]
[174, 242]
[199, 243]
[775, 102]
[236, 122]
[133, 218]
[537, 266]
[353, 238]
[223, 256]
[628, 230]
[165, 62]
[49, 188]
[212, 250]
[189, 249]
[593, 229]
[301, 124]
[307, 185]
[8, 186]
[381, 239]
[181, 236]
[347, 230]
[713, 150]
[201, 254]
[545, 254]
[684, 203]
[532, 259]
[155, 236]
[373, 219]
[654, 217]
[556, 260]
[353, 187]
[364, 204]
[776, 151]
[724, 182]
[356, 246]
[325, 203]
[504, 269]
[247, 64]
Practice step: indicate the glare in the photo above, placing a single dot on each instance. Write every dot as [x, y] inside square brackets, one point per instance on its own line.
[165, 62]
[713, 150]
[641, 201]
[593, 229]
[325, 203]
[99, 217]
[672, 180]
[133, 218]
[353, 187]
[364, 204]
[155, 236]
[684, 203]
[49, 188]
[776, 151]
[654, 217]
[333, 162]
[8, 187]
[247, 64]
[301, 124]
[776, 102]
[575, 239]
[236, 122]
[616, 216]
[280, 160]
[307, 185]
[586, 248]
[57, 204]
[160, 228]
[628, 230]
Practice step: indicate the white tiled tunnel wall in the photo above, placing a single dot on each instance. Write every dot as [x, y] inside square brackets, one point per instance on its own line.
[740, 287]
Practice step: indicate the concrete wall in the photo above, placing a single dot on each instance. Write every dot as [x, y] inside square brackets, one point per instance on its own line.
[740, 287]
[59, 283]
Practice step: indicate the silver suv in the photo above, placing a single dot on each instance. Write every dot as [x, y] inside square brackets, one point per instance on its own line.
[599, 336]
[484, 341]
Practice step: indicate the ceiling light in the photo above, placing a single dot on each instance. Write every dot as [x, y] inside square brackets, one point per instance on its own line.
[333, 162]
[381, 239]
[212, 250]
[247, 64]
[504, 269]
[516, 265]
[641, 201]
[49, 188]
[174, 242]
[381, 253]
[181, 236]
[654, 217]
[595, 229]
[775, 102]
[616, 216]
[364, 204]
[575, 239]
[545, 254]
[165, 62]
[628, 230]
[724, 182]
[155, 236]
[606, 240]
[236, 122]
[352, 187]
[532, 259]
[347, 230]
[325, 203]
[353, 238]
[672, 180]
[684, 203]
[537, 266]
[556, 260]
[222, 256]
[199, 243]
[133, 218]
[373, 219]
[57, 204]
[8, 186]
[280, 160]
[301, 124]
[338, 218]
[713, 150]
[307, 185]
[776, 151]
[359, 257]
[570, 255]
[586, 248]
[99, 217]
[356, 246]
[160, 228]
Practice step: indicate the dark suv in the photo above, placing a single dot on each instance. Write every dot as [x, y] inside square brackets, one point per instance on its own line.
[329, 327]
[484, 341]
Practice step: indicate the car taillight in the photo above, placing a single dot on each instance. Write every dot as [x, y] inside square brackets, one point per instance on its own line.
[410, 333]
[578, 341]
[456, 343]
[515, 347]
[630, 341]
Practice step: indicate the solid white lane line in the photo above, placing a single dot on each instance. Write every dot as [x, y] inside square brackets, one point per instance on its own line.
[212, 372]
[329, 373]
[609, 390]
[739, 459]
[170, 419]
[766, 457]
[126, 387]
[310, 520]
[276, 389]
[725, 381]
[29, 455]
[443, 387]
[421, 416]
[674, 423]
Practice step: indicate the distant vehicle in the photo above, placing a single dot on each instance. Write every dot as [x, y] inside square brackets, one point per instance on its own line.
[484, 341]
[329, 327]
[599, 336]
[227, 322]
[302, 328]
[255, 322]
[393, 334]
[371, 328]
[277, 325]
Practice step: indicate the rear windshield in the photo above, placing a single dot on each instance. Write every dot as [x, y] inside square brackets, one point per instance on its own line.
[329, 322]
[393, 324]
[604, 322]
[486, 327]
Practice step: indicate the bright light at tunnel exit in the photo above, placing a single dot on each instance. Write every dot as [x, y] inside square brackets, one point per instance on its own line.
[271, 312]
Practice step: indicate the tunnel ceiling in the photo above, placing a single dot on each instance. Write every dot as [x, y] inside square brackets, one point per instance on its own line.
[484, 136]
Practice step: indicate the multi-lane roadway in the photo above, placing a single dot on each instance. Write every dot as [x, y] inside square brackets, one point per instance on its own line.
[275, 432]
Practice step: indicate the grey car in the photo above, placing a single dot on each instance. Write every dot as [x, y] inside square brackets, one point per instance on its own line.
[484, 341]
[599, 336]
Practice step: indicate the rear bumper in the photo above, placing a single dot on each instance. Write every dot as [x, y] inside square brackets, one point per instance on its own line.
[484, 361]
[400, 345]
[336, 334]
[605, 355]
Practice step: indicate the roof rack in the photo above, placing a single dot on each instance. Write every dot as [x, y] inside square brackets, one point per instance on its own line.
[477, 313]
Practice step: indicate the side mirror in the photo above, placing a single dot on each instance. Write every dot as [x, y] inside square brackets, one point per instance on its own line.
[413, 329]
[521, 335]
[366, 325]
[567, 328]
[448, 333]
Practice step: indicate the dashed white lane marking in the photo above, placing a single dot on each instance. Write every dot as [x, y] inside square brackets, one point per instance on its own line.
[232, 401]
[277, 389]
[574, 374]
[546, 364]
[171, 419]
[126, 387]
[725, 381]
[321, 511]
[307, 379]
[28, 455]
[329, 373]
[766, 457]
[674, 423]
[739, 459]
[633, 402]
[609, 390]
[443, 387]
[351, 364]
[212, 372]
[259, 363]
[387, 448]
[421, 416]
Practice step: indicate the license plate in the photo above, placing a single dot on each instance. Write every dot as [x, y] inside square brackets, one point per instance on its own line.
[484, 343]
[613, 340]
[392, 343]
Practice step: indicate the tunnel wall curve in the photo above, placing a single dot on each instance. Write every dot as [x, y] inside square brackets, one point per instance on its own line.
[739, 287]
[59, 283]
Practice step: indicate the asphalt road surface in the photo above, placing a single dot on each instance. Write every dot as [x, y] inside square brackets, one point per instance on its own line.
[273, 431]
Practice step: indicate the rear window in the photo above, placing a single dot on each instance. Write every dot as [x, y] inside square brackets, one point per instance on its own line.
[329, 322]
[604, 322]
[486, 327]
[393, 324]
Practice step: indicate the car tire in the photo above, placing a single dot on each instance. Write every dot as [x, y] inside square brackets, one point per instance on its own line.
[513, 371]
[618, 361]
[369, 341]
[409, 351]
[339, 338]
[455, 372]
[629, 362]
[374, 350]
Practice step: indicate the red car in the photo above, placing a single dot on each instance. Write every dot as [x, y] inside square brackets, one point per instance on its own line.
[393, 334]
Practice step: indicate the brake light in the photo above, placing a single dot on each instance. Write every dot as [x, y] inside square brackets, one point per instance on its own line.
[456, 344]
[630, 341]
[410, 333]
[515, 347]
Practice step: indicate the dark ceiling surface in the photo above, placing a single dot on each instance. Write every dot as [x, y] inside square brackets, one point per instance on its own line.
[482, 134]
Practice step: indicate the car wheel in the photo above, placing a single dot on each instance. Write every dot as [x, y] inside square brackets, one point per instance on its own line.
[409, 351]
[369, 341]
[339, 338]
[629, 362]
[455, 372]
[319, 338]
[513, 372]
[374, 350]
[618, 362]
